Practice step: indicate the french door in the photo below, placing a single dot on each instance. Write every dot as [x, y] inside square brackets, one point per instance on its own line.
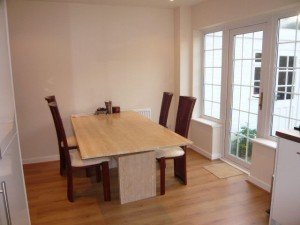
[245, 92]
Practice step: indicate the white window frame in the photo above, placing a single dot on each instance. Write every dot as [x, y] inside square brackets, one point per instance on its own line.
[268, 76]
[264, 69]
[223, 72]
[272, 81]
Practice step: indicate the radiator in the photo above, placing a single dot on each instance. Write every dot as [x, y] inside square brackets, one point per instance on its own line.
[144, 112]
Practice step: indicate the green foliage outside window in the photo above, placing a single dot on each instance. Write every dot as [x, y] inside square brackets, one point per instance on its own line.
[247, 132]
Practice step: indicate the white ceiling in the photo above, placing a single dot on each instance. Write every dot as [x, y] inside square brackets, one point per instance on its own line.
[150, 3]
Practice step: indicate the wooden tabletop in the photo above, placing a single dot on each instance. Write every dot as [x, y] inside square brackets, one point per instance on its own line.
[292, 135]
[122, 133]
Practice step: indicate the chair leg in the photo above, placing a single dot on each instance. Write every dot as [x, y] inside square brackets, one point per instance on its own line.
[98, 173]
[162, 163]
[70, 184]
[180, 168]
[62, 169]
[62, 162]
[106, 181]
[88, 172]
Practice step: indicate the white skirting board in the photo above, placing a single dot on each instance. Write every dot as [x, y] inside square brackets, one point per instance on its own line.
[259, 183]
[41, 159]
[205, 153]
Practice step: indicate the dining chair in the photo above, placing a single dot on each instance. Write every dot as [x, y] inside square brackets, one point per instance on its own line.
[178, 154]
[73, 159]
[72, 142]
[165, 106]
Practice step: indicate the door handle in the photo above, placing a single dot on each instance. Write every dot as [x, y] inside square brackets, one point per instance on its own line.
[298, 153]
[6, 204]
[261, 98]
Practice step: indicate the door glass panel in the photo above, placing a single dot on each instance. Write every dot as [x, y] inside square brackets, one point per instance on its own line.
[246, 78]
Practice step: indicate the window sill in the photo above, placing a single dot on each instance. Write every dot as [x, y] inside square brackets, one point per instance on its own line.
[207, 122]
[266, 143]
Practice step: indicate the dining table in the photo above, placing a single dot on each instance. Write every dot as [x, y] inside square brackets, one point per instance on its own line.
[131, 139]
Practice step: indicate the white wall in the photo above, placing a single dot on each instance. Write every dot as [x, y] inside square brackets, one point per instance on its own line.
[214, 12]
[86, 54]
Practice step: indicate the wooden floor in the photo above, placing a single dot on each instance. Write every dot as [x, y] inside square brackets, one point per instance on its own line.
[205, 200]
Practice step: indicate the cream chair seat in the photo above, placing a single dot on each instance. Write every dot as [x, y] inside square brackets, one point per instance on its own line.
[76, 160]
[169, 152]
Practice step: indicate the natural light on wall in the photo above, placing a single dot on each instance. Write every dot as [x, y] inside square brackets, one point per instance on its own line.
[212, 74]
[286, 109]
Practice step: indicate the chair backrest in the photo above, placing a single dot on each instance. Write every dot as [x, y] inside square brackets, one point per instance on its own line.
[62, 134]
[184, 115]
[61, 130]
[50, 98]
[58, 122]
[165, 106]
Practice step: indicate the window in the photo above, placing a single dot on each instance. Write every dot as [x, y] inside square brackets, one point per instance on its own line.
[286, 107]
[285, 77]
[257, 71]
[212, 76]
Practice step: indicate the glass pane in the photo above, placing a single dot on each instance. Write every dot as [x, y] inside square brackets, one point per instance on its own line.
[243, 124]
[290, 77]
[242, 149]
[237, 72]
[281, 78]
[248, 46]
[298, 29]
[296, 81]
[287, 29]
[291, 61]
[295, 107]
[217, 58]
[233, 144]
[249, 154]
[208, 92]
[238, 47]
[279, 123]
[218, 41]
[252, 126]
[208, 59]
[207, 108]
[235, 122]
[254, 103]
[216, 110]
[285, 50]
[257, 72]
[258, 40]
[236, 99]
[208, 43]
[217, 78]
[282, 108]
[245, 95]
[208, 75]
[216, 93]
[247, 72]
[294, 123]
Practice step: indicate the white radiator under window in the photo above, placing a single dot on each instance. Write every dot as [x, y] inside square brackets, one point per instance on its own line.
[145, 112]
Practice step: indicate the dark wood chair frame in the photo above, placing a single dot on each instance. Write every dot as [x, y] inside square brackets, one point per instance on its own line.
[62, 160]
[165, 106]
[183, 119]
[69, 168]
